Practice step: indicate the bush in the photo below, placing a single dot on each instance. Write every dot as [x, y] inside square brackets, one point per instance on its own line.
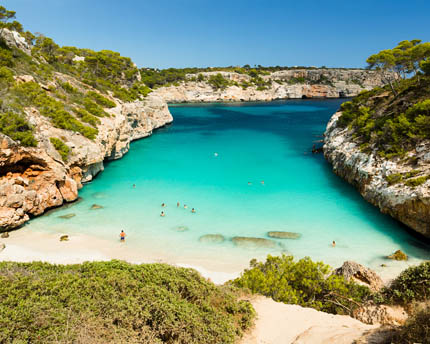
[413, 284]
[85, 116]
[94, 108]
[116, 302]
[217, 81]
[99, 99]
[68, 88]
[17, 128]
[416, 329]
[304, 282]
[61, 147]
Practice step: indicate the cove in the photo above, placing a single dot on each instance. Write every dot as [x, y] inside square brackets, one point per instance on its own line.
[214, 158]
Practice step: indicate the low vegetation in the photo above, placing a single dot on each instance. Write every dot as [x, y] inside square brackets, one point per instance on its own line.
[61, 147]
[393, 119]
[17, 128]
[416, 329]
[303, 282]
[106, 302]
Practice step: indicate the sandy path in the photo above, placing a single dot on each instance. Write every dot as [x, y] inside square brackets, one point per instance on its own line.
[278, 323]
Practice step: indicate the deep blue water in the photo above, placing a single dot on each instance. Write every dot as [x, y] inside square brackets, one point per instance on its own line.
[214, 158]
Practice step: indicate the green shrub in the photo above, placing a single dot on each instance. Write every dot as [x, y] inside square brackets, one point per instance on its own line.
[61, 147]
[68, 88]
[116, 302]
[86, 117]
[304, 282]
[413, 284]
[394, 178]
[17, 128]
[99, 99]
[93, 108]
[217, 81]
[416, 181]
[30, 94]
[6, 74]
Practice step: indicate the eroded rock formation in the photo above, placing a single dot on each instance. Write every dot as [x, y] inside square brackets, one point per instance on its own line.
[368, 172]
[296, 83]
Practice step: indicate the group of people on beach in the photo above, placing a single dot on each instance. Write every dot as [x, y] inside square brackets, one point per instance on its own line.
[177, 205]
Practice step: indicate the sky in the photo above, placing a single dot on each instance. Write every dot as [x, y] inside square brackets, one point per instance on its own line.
[203, 33]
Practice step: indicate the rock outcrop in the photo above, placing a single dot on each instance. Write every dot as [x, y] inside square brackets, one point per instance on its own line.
[368, 172]
[358, 273]
[33, 180]
[286, 84]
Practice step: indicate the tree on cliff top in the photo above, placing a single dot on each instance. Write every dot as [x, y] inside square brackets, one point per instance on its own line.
[397, 63]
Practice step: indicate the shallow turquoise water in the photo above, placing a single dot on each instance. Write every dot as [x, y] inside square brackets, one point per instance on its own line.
[267, 142]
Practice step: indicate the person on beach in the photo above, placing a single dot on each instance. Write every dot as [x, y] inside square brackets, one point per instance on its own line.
[333, 243]
[193, 210]
[162, 214]
[122, 236]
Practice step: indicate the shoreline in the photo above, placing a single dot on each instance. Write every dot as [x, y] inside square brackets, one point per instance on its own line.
[25, 245]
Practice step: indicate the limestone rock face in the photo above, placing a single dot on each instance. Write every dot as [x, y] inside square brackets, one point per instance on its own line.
[297, 83]
[33, 180]
[14, 39]
[360, 274]
[381, 314]
[368, 173]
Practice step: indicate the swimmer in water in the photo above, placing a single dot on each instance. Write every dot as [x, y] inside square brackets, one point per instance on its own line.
[333, 243]
[262, 182]
[163, 205]
[162, 213]
[185, 206]
[177, 204]
[134, 186]
[193, 210]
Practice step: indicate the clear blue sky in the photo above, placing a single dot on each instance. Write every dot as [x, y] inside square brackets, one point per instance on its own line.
[201, 33]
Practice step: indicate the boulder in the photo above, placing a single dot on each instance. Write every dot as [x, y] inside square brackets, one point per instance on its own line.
[96, 206]
[67, 216]
[213, 238]
[5, 235]
[284, 235]
[360, 274]
[381, 314]
[398, 255]
[251, 242]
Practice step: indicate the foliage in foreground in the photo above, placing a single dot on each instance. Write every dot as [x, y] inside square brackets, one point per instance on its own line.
[413, 284]
[416, 329]
[116, 302]
[304, 282]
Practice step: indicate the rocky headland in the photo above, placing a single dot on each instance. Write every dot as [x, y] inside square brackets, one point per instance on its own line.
[34, 179]
[389, 165]
[284, 84]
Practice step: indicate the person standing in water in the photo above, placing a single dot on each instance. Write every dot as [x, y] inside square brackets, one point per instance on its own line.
[162, 214]
[333, 243]
[122, 236]
[193, 210]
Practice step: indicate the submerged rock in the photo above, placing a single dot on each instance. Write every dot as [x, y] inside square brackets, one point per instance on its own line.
[64, 238]
[253, 242]
[181, 228]
[284, 235]
[360, 274]
[214, 238]
[67, 216]
[96, 206]
[398, 255]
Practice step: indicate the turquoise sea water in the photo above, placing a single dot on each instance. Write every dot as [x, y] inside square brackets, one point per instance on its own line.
[254, 142]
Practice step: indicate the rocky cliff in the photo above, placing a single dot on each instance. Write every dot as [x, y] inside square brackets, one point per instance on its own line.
[370, 174]
[285, 84]
[35, 177]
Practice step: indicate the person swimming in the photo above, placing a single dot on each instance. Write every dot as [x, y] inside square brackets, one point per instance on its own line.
[333, 243]
[163, 205]
[262, 182]
[177, 204]
[193, 210]
[122, 236]
[162, 214]
[185, 206]
[134, 186]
